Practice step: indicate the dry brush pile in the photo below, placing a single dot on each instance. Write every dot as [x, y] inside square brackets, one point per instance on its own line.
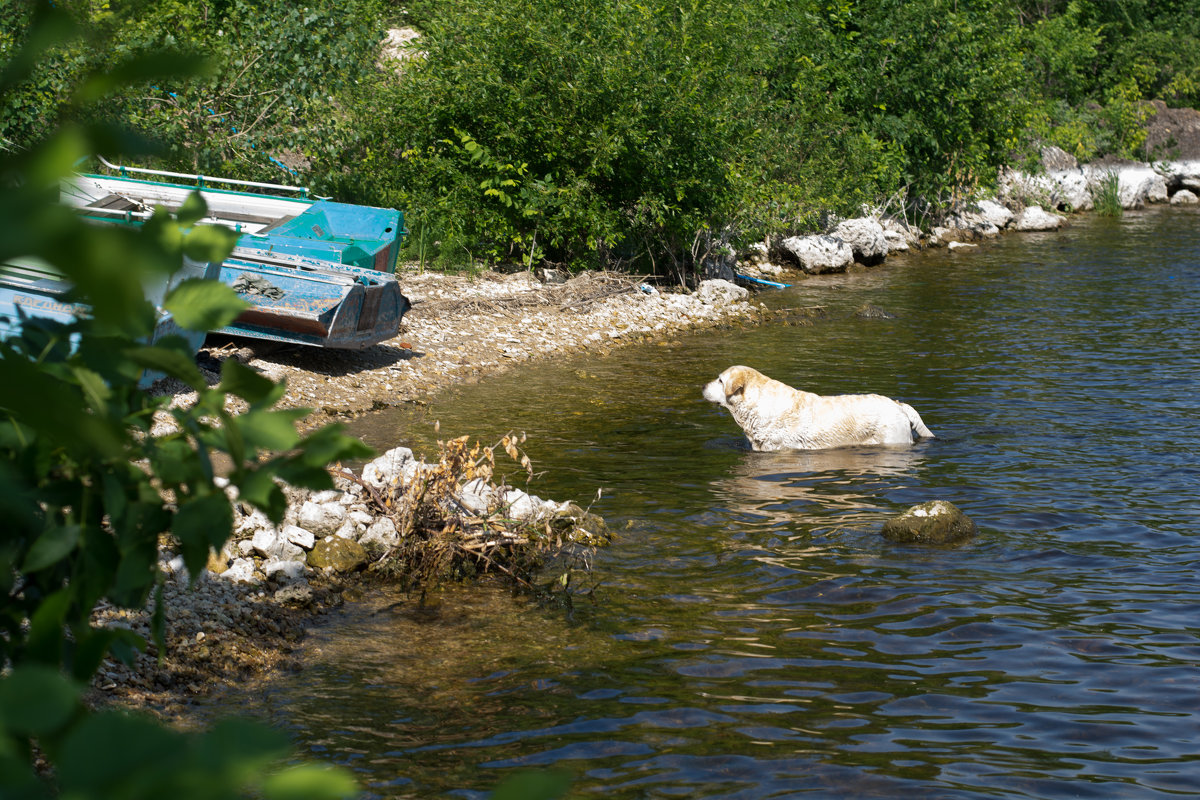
[453, 520]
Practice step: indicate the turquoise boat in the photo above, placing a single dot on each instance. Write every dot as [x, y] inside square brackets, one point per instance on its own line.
[302, 300]
[271, 217]
[315, 272]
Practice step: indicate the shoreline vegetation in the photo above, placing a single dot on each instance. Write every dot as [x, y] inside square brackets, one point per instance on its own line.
[646, 138]
[571, 183]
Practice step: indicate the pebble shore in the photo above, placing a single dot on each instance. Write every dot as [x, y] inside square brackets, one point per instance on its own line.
[466, 327]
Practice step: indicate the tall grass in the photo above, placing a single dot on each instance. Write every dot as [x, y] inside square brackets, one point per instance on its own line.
[1106, 194]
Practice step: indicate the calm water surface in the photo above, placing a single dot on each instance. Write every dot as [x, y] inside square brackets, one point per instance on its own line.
[754, 637]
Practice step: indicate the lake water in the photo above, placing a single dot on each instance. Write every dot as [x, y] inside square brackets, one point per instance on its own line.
[752, 635]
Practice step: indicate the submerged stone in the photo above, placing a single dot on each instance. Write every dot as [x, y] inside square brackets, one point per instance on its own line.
[869, 311]
[934, 522]
[338, 554]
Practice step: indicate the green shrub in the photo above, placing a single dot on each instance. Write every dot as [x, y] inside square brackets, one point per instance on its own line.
[614, 136]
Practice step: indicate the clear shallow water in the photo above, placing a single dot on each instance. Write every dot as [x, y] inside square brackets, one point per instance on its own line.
[754, 637]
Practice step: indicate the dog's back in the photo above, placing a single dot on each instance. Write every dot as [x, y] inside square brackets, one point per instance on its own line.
[854, 419]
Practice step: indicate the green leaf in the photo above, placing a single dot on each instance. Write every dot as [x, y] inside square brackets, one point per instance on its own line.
[51, 547]
[238, 379]
[94, 388]
[239, 748]
[201, 305]
[55, 157]
[202, 523]
[310, 782]
[330, 443]
[193, 209]
[45, 640]
[173, 361]
[209, 243]
[17, 778]
[258, 487]
[136, 573]
[93, 644]
[270, 430]
[110, 753]
[175, 461]
[36, 700]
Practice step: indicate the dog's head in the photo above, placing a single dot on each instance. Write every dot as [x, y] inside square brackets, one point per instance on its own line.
[730, 386]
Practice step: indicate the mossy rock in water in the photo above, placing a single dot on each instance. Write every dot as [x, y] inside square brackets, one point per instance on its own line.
[934, 522]
[338, 554]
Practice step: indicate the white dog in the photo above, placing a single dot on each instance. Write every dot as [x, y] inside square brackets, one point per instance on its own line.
[777, 417]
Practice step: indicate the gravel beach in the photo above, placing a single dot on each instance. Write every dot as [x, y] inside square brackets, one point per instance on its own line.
[466, 327]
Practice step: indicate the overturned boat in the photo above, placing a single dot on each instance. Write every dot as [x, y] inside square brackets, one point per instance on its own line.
[315, 272]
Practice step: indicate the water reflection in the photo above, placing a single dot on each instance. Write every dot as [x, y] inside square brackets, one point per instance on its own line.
[804, 488]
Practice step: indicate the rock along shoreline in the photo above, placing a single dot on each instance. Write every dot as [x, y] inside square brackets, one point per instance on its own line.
[246, 614]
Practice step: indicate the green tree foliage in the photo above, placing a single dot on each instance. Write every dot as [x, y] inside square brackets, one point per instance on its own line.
[629, 132]
[618, 134]
[946, 87]
[30, 106]
[1099, 60]
[88, 492]
[267, 99]
[278, 68]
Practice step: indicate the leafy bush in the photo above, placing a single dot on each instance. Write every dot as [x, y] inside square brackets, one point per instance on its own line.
[277, 71]
[268, 101]
[611, 136]
[1061, 50]
[951, 93]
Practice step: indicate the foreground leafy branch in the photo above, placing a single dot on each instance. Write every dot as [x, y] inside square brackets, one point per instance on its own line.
[88, 490]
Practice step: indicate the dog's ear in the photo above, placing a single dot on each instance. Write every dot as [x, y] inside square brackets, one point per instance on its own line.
[734, 384]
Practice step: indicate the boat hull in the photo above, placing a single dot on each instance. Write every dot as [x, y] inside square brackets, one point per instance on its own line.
[304, 301]
[30, 289]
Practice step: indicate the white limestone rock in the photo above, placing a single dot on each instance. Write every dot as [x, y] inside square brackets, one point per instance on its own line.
[865, 237]
[394, 468]
[719, 292]
[1035, 218]
[382, 533]
[818, 254]
[321, 518]
[299, 536]
[284, 571]
[240, 571]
